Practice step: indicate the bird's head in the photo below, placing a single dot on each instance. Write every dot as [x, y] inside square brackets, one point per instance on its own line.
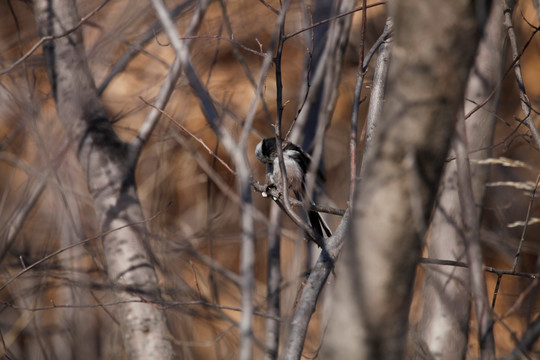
[266, 150]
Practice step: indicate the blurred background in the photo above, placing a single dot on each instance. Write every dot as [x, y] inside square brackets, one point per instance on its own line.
[63, 308]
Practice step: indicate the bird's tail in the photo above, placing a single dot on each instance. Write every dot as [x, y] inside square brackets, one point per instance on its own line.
[318, 224]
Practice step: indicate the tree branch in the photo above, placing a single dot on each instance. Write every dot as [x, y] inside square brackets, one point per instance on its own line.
[52, 37]
[471, 229]
[525, 103]
[312, 289]
[137, 46]
[105, 161]
[167, 88]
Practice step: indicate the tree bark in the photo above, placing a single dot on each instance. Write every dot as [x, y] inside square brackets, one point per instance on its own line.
[446, 300]
[426, 83]
[108, 164]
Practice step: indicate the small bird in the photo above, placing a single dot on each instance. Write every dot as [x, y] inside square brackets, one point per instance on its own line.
[297, 164]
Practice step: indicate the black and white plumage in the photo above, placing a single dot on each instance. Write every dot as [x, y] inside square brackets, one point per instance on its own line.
[297, 164]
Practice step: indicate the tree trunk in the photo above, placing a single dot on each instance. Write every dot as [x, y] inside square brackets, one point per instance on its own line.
[426, 83]
[446, 297]
[108, 164]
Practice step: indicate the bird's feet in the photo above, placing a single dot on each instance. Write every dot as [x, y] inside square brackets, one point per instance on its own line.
[271, 189]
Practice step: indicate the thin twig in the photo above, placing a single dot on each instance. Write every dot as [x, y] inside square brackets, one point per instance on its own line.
[329, 71]
[521, 298]
[136, 47]
[429, 261]
[82, 242]
[315, 282]
[196, 138]
[274, 255]
[527, 217]
[496, 290]
[238, 155]
[16, 221]
[52, 37]
[285, 203]
[274, 10]
[288, 36]
[513, 335]
[274, 193]
[273, 296]
[527, 341]
[525, 103]
[229, 40]
[242, 60]
[168, 86]
[378, 87]
[136, 299]
[375, 104]
[353, 142]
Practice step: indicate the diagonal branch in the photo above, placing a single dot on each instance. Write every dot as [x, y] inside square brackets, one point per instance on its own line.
[325, 262]
[168, 85]
[104, 160]
[44, 39]
[525, 103]
[238, 155]
[137, 46]
[312, 289]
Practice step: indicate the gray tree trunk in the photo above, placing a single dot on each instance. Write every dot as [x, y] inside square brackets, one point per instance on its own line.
[446, 297]
[426, 84]
[108, 164]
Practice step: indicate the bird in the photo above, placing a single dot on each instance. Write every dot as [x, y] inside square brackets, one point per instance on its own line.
[297, 164]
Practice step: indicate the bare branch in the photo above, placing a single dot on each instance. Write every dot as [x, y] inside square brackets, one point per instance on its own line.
[273, 284]
[525, 103]
[376, 99]
[528, 339]
[79, 243]
[526, 222]
[500, 272]
[52, 37]
[349, 12]
[18, 218]
[321, 100]
[471, 223]
[274, 193]
[403, 168]
[168, 86]
[321, 270]
[105, 161]
[353, 142]
[444, 327]
[312, 289]
[237, 152]
[137, 46]
[198, 139]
